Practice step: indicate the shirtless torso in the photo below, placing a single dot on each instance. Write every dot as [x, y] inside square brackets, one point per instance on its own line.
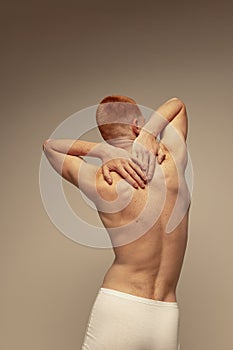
[149, 266]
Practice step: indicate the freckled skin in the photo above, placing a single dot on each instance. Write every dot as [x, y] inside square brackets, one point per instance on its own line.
[150, 266]
[147, 264]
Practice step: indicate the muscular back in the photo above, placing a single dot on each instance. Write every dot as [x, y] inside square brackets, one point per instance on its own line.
[148, 260]
[148, 227]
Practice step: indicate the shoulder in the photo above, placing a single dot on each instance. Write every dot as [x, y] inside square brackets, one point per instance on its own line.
[119, 186]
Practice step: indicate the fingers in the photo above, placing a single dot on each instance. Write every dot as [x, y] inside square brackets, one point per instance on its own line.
[106, 174]
[137, 162]
[138, 152]
[139, 157]
[129, 171]
[138, 170]
[131, 177]
[140, 179]
[151, 166]
[145, 159]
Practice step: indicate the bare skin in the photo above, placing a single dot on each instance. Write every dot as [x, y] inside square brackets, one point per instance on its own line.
[150, 265]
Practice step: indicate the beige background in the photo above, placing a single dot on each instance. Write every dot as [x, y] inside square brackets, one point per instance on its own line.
[61, 56]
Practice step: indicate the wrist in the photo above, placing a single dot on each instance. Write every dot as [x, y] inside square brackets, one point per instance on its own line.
[155, 124]
[145, 134]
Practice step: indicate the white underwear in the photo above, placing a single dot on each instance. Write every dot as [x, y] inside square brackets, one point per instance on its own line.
[122, 321]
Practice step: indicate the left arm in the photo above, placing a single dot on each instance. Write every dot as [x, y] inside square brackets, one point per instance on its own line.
[65, 156]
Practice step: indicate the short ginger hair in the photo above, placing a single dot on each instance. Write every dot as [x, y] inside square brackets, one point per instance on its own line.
[115, 115]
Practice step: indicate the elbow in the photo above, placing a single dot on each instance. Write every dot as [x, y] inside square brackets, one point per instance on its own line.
[46, 144]
[178, 101]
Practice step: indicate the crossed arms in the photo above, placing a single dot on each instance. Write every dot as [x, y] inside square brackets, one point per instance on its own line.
[65, 155]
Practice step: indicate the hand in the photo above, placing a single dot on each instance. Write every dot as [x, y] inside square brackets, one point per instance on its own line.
[122, 162]
[146, 149]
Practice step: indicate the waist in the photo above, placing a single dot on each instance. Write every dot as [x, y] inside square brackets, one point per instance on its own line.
[137, 298]
[143, 283]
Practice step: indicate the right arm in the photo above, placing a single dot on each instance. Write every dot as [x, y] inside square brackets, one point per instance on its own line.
[172, 111]
[170, 121]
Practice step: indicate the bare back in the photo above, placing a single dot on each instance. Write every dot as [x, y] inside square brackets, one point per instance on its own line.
[150, 265]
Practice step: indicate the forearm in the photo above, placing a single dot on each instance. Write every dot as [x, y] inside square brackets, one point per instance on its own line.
[161, 117]
[75, 147]
[64, 154]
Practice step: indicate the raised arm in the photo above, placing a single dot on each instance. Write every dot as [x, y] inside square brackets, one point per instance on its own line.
[65, 156]
[170, 121]
[174, 112]
[174, 135]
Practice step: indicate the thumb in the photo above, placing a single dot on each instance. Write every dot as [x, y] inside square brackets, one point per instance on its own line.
[161, 157]
[151, 166]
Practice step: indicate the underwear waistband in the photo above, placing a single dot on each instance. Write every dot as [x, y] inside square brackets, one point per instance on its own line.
[138, 298]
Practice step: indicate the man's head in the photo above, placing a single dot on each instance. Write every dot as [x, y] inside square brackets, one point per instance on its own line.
[119, 117]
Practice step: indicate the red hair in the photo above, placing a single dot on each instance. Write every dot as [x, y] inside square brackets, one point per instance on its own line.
[117, 98]
[115, 113]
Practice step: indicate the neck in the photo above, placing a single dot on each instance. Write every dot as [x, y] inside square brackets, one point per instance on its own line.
[124, 143]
